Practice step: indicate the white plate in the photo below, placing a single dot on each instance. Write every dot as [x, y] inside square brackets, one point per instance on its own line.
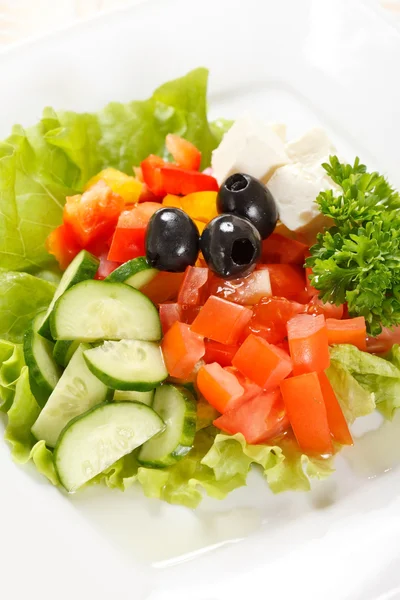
[328, 62]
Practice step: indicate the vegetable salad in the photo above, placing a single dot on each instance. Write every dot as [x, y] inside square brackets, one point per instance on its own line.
[182, 299]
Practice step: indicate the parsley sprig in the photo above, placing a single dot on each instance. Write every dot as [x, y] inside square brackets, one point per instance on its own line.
[357, 260]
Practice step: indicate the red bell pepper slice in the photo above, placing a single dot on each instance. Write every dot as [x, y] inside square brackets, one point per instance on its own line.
[183, 182]
[280, 249]
[151, 172]
[336, 421]
[62, 244]
[93, 214]
[259, 420]
[130, 235]
[263, 363]
[219, 387]
[221, 321]
[307, 414]
[308, 343]
[184, 153]
[182, 349]
[348, 331]
[193, 286]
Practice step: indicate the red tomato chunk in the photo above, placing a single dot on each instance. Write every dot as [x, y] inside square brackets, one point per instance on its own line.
[308, 343]
[219, 353]
[336, 420]
[348, 331]
[182, 349]
[193, 286]
[280, 249]
[219, 387]
[221, 321]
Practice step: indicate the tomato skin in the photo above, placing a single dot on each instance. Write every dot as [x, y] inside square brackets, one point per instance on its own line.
[279, 249]
[348, 331]
[219, 387]
[336, 420]
[308, 343]
[307, 414]
[184, 153]
[258, 420]
[219, 353]
[182, 349]
[62, 244]
[265, 364]
[93, 214]
[287, 281]
[193, 286]
[130, 234]
[221, 321]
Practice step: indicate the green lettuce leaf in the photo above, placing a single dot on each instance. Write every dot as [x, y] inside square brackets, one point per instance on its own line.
[22, 296]
[42, 165]
[11, 363]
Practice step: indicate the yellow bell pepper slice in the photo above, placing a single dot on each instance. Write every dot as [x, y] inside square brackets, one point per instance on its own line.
[172, 201]
[201, 206]
[200, 225]
[125, 185]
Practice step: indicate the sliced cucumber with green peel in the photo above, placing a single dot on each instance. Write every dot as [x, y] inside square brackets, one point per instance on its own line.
[100, 310]
[64, 350]
[130, 396]
[136, 273]
[84, 266]
[97, 439]
[177, 408]
[128, 364]
[77, 391]
[44, 372]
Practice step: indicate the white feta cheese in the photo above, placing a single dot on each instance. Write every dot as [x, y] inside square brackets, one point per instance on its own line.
[279, 129]
[313, 148]
[250, 146]
[295, 189]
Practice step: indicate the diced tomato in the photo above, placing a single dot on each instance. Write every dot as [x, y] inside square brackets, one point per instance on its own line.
[169, 313]
[219, 353]
[251, 389]
[190, 312]
[261, 419]
[308, 343]
[219, 387]
[221, 321]
[245, 290]
[280, 249]
[151, 171]
[287, 281]
[182, 349]
[193, 286]
[163, 287]
[330, 311]
[384, 341]
[146, 195]
[61, 243]
[270, 317]
[105, 267]
[348, 331]
[307, 414]
[200, 206]
[311, 290]
[263, 363]
[336, 421]
[93, 214]
[130, 235]
[182, 182]
[184, 153]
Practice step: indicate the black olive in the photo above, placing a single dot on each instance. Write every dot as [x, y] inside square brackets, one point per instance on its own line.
[172, 240]
[231, 246]
[247, 197]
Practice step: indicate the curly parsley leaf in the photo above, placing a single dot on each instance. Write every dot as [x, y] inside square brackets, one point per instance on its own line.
[357, 260]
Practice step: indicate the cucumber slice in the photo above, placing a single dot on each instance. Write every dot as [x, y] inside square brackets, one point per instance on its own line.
[136, 273]
[128, 365]
[64, 350]
[97, 439]
[100, 310]
[177, 408]
[130, 396]
[84, 266]
[44, 373]
[77, 391]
